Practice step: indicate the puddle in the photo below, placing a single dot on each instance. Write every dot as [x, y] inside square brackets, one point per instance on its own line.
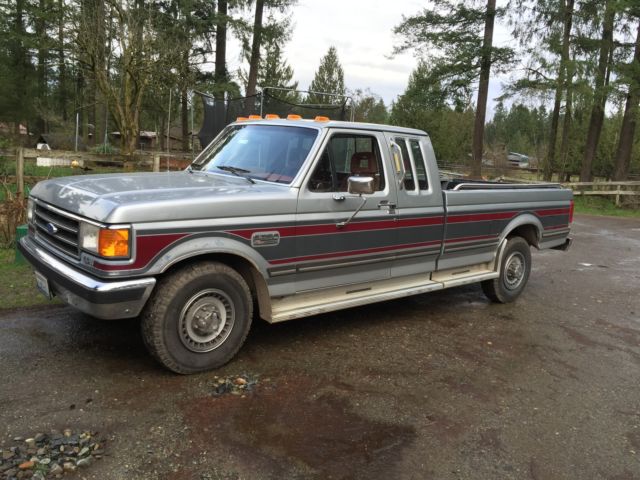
[291, 431]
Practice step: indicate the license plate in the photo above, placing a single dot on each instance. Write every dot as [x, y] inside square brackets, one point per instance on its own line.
[43, 285]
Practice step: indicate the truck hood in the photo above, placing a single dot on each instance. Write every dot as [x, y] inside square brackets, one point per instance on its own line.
[149, 197]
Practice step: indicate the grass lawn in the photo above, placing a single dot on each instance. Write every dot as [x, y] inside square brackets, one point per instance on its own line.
[602, 206]
[17, 283]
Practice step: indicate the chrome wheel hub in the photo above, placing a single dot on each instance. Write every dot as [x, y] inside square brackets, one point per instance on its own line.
[514, 269]
[206, 320]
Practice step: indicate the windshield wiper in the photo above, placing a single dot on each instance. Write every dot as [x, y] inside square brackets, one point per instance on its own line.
[236, 171]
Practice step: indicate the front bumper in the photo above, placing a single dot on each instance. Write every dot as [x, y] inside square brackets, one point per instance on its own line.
[102, 299]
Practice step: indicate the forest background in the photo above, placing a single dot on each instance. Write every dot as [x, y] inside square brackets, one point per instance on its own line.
[571, 102]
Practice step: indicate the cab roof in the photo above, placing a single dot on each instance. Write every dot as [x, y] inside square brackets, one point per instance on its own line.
[319, 124]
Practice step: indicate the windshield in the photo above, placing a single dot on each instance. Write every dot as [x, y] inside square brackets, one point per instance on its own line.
[262, 152]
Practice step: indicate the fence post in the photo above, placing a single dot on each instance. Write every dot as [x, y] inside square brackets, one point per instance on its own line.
[156, 162]
[20, 173]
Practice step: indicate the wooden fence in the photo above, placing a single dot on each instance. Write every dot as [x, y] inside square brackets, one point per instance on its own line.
[618, 190]
[86, 162]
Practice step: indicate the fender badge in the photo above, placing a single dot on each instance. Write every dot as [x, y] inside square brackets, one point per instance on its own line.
[265, 239]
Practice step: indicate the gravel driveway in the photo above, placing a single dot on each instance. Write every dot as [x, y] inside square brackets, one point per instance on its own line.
[439, 386]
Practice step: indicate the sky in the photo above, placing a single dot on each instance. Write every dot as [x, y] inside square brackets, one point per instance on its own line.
[362, 32]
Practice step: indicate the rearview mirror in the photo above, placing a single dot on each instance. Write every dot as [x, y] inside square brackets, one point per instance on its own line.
[360, 185]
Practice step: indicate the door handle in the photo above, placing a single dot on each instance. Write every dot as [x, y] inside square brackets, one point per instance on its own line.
[387, 204]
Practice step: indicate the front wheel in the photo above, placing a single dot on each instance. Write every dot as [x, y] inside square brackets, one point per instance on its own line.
[515, 268]
[198, 317]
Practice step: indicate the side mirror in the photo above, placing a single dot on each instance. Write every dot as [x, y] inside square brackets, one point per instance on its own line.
[360, 185]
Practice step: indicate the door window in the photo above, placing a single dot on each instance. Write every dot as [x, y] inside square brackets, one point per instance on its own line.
[409, 182]
[344, 156]
[421, 166]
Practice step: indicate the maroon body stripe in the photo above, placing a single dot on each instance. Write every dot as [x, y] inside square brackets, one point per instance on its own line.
[557, 227]
[147, 247]
[553, 211]
[481, 217]
[329, 228]
[470, 239]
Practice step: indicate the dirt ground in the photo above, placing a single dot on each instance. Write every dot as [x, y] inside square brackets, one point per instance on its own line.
[439, 386]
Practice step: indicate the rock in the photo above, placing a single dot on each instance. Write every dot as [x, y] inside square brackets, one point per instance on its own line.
[84, 462]
[7, 454]
[40, 437]
[26, 465]
[67, 432]
[12, 472]
[68, 467]
[84, 451]
[240, 381]
[38, 476]
[31, 442]
[18, 439]
[56, 469]
[41, 451]
[45, 461]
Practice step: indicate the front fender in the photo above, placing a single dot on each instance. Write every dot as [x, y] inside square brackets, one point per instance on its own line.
[205, 245]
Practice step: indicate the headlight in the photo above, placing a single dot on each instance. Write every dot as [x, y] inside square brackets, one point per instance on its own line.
[106, 242]
[30, 206]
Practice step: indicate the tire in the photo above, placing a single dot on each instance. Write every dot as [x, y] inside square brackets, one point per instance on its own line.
[198, 317]
[515, 268]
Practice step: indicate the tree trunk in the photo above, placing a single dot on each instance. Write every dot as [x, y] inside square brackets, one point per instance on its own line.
[62, 68]
[600, 96]
[566, 124]
[483, 90]
[254, 61]
[41, 69]
[220, 76]
[184, 119]
[550, 163]
[630, 119]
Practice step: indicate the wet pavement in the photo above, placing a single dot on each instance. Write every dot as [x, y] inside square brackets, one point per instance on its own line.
[439, 386]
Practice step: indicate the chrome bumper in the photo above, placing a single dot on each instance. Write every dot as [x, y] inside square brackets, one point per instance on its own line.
[102, 299]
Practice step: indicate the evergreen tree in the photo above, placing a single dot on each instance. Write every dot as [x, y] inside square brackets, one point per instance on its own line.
[369, 107]
[329, 78]
[631, 76]
[456, 38]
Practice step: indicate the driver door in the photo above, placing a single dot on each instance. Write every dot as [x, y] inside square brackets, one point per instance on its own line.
[362, 251]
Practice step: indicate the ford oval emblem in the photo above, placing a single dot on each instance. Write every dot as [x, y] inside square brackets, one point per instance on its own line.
[51, 228]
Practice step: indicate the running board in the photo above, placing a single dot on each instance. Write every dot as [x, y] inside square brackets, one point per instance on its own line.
[338, 298]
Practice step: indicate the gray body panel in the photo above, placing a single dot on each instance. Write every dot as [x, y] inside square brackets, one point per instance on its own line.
[289, 234]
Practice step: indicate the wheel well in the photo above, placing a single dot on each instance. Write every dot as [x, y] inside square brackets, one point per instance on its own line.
[245, 268]
[528, 232]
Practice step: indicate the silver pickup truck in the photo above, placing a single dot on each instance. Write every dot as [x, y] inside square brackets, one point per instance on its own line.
[285, 218]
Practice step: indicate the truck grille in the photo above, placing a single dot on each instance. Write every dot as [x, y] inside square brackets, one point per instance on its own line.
[56, 230]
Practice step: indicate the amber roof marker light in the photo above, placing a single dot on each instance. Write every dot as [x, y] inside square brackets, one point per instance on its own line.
[292, 116]
[255, 117]
[322, 118]
[271, 116]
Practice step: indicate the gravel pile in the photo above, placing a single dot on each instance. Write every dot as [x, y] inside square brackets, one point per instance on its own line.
[234, 385]
[47, 456]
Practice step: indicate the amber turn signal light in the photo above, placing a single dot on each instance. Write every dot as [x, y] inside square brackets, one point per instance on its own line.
[114, 243]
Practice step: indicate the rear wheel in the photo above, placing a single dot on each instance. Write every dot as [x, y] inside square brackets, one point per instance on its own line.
[515, 268]
[198, 317]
